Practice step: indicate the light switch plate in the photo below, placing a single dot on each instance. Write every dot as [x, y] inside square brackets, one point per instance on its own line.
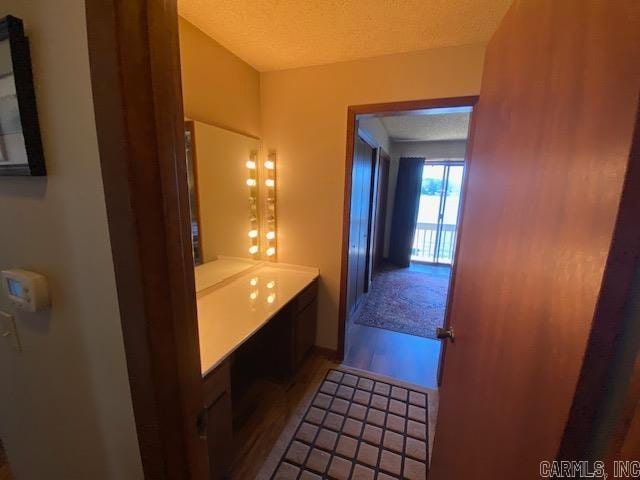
[8, 330]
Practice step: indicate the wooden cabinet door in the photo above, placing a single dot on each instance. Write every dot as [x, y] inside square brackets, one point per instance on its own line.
[217, 400]
[553, 134]
[219, 436]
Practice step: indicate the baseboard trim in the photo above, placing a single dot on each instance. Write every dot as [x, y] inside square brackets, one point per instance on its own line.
[328, 353]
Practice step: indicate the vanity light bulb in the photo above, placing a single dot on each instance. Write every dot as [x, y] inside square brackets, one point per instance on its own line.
[269, 165]
[271, 251]
[271, 284]
[253, 249]
[251, 165]
[251, 182]
[271, 298]
[253, 282]
[270, 182]
[271, 235]
[253, 295]
[253, 233]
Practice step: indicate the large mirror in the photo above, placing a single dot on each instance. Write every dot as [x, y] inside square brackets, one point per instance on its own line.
[225, 212]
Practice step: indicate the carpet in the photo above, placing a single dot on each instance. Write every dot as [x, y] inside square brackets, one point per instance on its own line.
[357, 427]
[407, 300]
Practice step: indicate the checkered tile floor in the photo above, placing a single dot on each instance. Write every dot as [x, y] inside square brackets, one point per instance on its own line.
[359, 428]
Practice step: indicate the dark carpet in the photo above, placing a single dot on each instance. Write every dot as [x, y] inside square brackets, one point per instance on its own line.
[407, 300]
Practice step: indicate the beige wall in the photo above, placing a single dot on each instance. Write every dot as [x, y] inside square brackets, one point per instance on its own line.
[65, 405]
[218, 88]
[304, 114]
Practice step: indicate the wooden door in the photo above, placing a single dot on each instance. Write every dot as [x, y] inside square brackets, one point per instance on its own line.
[135, 74]
[549, 154]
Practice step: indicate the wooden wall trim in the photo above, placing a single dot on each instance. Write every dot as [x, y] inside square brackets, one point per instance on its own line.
[352, 112]
[135, 73]
[452, 282]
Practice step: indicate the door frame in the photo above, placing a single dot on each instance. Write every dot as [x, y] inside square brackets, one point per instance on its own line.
[352, 131]
[137, 93]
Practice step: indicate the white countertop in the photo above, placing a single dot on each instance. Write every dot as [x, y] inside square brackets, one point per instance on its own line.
[232, 312]
[220, 269]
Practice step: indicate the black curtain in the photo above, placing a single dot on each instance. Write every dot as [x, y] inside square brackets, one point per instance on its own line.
[405, 210]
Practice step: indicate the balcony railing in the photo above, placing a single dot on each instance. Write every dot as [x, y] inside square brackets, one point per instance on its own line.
[424, 243]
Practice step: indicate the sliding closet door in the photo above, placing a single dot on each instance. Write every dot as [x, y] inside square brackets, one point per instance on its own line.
[360, 222]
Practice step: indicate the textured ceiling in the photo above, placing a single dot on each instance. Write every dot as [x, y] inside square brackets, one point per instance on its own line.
[280, 34]
[428, 128]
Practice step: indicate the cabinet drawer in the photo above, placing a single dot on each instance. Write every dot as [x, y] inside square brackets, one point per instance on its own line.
[217, 383]
[304, 323]
[307, 296]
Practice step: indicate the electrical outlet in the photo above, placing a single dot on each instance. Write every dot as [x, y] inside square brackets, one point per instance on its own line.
[8, 330]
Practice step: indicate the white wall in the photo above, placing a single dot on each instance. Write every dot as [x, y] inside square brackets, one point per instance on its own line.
[65, 404]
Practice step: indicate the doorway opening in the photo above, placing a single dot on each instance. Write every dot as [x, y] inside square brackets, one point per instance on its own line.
[407, 173]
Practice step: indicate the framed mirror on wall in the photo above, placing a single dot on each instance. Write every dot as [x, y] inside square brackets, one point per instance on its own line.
[224, 176]
[20, 143]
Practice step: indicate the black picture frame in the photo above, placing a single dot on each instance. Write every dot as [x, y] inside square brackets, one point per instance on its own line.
[18, 110]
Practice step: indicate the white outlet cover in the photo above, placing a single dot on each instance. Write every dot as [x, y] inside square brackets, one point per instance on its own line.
[8, 330]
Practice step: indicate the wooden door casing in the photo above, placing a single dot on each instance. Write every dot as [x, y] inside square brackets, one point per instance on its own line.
[550, 151]
[380, 215]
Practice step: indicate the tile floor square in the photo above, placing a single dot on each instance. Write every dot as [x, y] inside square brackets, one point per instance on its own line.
[347, 446]
[326, 439]
[318, 461]
[352, 427]
[368, 454]
[362, 473]
[307, 432]
[382, 388]
[286, 471]
[340, 468]
[362, 397]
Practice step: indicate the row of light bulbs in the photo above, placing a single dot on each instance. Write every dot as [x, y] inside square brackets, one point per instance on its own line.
[269, 236]
[270, 183]
[252, 182]
[269, 165]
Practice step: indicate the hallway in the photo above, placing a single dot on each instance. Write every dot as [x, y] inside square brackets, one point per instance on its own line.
[405, 357]
[394, 333]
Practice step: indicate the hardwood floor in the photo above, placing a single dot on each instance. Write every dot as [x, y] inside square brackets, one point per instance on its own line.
[406, 357]
[263, 412]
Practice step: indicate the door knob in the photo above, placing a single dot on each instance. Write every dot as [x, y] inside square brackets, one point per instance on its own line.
[444, 333]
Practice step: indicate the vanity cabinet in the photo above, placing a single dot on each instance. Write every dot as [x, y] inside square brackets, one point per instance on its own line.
[217, 400]
[293, 331]
[275, 351]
